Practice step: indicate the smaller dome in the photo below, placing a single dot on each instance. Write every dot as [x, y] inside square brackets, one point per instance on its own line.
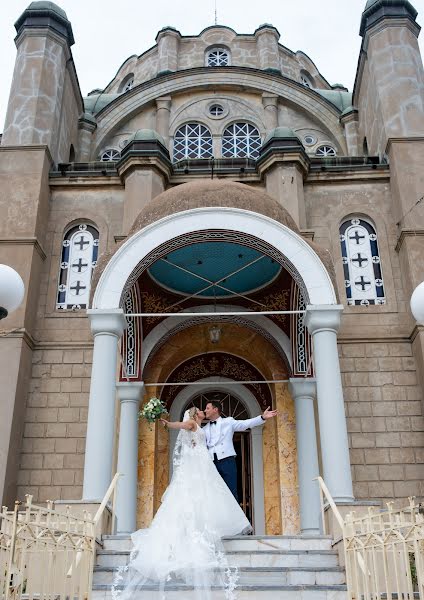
[146, 135]
[44, 5]
[281, 132]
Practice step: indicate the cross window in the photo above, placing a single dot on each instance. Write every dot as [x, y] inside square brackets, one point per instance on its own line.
[361, 263]
[80, 248]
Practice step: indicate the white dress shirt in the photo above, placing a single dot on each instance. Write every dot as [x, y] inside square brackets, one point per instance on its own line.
[219, 437]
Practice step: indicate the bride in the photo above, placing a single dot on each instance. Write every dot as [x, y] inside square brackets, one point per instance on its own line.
[183, 544]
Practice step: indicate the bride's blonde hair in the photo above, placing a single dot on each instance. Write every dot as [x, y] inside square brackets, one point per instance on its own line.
[193, 412]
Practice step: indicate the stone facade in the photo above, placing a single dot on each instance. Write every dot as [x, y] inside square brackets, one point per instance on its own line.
[51, 179]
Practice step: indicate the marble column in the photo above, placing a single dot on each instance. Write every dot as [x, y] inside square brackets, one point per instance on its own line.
[107, 326]
[323, 323]
[303, 392]
[126, 499]
[163, 111]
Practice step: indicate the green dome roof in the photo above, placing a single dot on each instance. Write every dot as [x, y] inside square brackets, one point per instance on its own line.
[44, 5]
[281, 132]
[146, 135]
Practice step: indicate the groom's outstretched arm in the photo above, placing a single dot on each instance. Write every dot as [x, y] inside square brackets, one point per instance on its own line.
[249, 423]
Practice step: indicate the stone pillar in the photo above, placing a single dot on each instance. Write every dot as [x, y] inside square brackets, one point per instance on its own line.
[323, 323]
[350, 122]
[303, 392]
[86, 127]
[267, 37]
[107, 327]
[168, 41]
[163, 112]
[126, 500]
[270, 104]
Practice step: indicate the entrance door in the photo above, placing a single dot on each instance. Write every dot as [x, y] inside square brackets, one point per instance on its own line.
[233, 407]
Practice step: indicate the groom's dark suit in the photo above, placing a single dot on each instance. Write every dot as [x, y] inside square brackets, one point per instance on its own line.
[219, 440]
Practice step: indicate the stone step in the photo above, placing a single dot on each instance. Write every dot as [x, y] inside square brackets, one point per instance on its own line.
[102, 592]
[245, 558]
[269, 576]
[251, 542]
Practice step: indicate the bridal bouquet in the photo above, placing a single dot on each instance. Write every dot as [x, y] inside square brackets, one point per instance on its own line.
[152, 410]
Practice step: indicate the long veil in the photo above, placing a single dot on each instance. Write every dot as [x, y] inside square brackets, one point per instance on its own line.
[181, 550]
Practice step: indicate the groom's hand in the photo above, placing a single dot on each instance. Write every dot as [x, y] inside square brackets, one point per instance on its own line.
[268, 413]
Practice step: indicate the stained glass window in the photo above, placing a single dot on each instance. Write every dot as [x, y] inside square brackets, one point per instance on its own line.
[80, 248]
[361, 263]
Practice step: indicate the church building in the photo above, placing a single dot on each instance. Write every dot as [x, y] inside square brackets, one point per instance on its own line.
[219, 222]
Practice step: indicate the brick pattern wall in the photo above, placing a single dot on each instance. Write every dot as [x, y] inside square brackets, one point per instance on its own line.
[384, 418]
[52, 458]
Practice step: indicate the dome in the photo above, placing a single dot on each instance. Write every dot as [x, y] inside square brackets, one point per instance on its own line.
[145, 135]
[211, 193]
[281, 132]
[51, 6]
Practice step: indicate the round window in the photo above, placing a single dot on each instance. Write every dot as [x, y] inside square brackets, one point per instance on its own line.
[216, 110]
[309, 140]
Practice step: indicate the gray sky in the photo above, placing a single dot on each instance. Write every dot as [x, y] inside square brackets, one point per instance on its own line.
[108, 31]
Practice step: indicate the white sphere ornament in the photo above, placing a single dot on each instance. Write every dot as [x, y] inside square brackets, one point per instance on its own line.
[12, 289]
[417, 303]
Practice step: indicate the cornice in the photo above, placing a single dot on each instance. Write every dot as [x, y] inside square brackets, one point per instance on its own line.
[406, 233]
[25, 242]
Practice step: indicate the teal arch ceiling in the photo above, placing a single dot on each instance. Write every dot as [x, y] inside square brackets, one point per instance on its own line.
[190, 270]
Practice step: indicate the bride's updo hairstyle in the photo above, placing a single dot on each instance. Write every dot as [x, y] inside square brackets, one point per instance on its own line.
[193, 412]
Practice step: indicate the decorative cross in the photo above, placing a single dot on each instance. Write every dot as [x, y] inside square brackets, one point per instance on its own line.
[81, 242]
[359, 259]
[78, 288]
[357, 237]
[361, 281]
[80, 265]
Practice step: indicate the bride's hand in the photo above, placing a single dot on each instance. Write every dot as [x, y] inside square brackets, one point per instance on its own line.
[164, 422]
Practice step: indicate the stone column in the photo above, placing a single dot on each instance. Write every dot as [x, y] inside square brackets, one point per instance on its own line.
[86, 127]
[350, 122]
[270, 104]
[323, 323]
[168, 40]
[163, 111]
[107, 327]
[126, 500]
[303, 391]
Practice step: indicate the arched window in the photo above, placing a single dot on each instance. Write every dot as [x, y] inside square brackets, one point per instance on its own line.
[217, 57]
[241, 140]
[325, 150]
[192, 141]
[306, 79]
[80, 248]
[361, 263]
[110, 155]
[71, 154]
[126, 84]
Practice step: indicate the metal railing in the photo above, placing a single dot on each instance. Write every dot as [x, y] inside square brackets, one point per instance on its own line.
[46, 554]
[383, 549]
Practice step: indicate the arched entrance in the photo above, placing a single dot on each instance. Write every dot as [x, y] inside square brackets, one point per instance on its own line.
[245, 225]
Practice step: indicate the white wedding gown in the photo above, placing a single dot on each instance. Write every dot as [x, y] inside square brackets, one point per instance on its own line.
[183, 544]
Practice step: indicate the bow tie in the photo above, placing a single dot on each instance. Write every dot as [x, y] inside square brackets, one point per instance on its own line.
[213, 422]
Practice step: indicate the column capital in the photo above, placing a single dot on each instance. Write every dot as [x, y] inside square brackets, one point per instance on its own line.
[164, 102]
[269, 99]
[302, 387]
[323, 317]
[107, 320]
[130, 391]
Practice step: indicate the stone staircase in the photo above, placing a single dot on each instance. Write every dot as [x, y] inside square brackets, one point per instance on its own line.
[270, 568]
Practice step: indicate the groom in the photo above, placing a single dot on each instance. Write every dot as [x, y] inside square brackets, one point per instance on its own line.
[219, 440]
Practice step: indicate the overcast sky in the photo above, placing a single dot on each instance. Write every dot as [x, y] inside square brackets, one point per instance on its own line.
[108, 31]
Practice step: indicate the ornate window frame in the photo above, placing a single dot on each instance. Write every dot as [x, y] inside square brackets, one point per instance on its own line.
[76, 266]
[363, 275]
[192, 140]
[239, 140]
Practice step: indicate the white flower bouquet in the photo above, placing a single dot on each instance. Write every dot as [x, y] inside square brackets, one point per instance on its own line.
[152, 410]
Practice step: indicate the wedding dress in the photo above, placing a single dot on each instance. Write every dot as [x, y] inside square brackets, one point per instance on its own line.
[183, 544]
